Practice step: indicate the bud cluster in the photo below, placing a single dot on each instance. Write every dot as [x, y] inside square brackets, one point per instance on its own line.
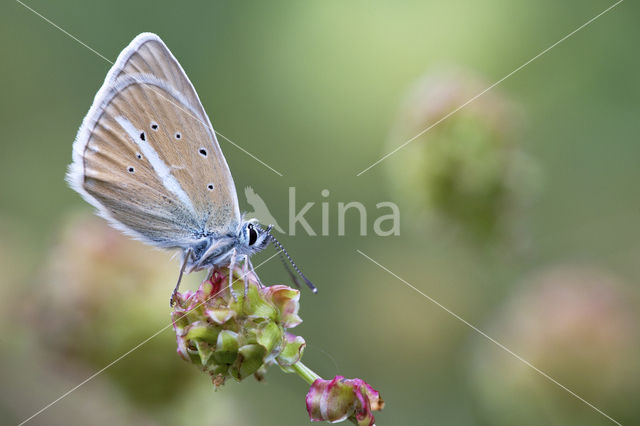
[237, 331]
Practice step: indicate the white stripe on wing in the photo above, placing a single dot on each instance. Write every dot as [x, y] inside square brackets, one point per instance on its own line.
[163, 171]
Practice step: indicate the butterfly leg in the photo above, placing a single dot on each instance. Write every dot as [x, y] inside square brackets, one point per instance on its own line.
[232, 265]
[172, 300]
[253, 272]
[245, 272]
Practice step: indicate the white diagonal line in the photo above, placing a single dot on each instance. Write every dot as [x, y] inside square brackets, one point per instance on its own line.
[491, 87]
[67, 393]
[153, 88]
[64, 395]
[64, 31]
[500, 345]
[249, 154]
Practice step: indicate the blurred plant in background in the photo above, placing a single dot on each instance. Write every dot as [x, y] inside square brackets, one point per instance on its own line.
[87, 308]
[14, 271]
[467, 170]
[580, 326]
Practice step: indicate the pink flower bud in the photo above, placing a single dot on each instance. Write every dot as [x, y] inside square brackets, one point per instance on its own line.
[341, 399]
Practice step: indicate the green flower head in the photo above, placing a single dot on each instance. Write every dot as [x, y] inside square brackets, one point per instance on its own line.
[238, 330]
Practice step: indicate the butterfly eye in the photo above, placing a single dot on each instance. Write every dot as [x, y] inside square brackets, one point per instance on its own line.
[253, 235]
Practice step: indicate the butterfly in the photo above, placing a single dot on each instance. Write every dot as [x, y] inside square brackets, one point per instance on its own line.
[146, 156]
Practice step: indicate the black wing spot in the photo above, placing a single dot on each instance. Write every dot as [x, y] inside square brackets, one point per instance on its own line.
[142, 136]
[139, 156]
[210, 187]
[178, 135]
[154, 125]
[203, 152]
[131, 170]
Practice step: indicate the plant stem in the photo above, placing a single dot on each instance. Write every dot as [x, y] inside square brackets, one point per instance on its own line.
[305, 372]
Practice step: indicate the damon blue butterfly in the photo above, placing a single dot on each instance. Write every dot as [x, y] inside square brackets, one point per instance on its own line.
[146, 156]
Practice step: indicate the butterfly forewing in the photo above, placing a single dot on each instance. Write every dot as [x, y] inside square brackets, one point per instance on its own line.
[146, 154]
[147, 54]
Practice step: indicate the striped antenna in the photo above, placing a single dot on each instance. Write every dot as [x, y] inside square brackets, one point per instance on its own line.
[295, 267]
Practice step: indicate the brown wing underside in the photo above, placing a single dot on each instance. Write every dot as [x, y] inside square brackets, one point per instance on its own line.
[151, 159]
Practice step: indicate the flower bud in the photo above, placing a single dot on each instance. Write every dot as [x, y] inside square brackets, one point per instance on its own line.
[341, 399]
[230, 334]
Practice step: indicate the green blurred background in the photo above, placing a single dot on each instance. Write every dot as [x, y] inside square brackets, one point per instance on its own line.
[315, 90]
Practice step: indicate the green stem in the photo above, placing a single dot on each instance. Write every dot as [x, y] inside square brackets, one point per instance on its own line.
[305, 372]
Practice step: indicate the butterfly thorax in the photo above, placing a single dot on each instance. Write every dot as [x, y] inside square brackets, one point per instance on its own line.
[219, 250]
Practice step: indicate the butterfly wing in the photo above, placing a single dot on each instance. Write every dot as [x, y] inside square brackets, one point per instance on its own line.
[146, 154]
